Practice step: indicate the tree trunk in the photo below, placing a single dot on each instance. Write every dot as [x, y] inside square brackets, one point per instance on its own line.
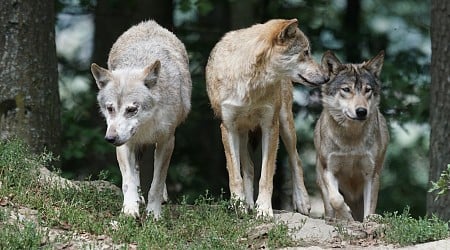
[29, 97]
[440, 104]
[351, 25]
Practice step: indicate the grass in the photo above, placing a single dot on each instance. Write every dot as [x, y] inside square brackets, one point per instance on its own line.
[207, 224]
[404, 230]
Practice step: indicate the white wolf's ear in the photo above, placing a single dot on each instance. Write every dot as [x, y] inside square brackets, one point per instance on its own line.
[375, 64]
[288, 30]
[330, 63]
[101, 75]
[151, 74]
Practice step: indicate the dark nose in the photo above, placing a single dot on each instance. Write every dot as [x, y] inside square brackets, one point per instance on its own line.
[361, 113]
[110, 139]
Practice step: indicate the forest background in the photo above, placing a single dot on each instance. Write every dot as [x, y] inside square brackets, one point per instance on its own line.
[355, 30]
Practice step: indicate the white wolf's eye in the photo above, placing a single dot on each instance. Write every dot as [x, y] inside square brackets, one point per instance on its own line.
[110, 108]
[346, 89]
[131, 110]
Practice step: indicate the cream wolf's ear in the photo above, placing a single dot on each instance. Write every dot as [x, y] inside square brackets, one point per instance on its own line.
[151, 74]
[288, 30]
[101, 75]
[375, 64]
[330, 63]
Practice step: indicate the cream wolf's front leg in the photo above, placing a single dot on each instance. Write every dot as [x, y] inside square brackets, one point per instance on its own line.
[230, 139]
[269, 143]
[130, 180]
[163, 153]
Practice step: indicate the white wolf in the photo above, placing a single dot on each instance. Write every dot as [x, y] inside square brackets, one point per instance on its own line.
[144, 95]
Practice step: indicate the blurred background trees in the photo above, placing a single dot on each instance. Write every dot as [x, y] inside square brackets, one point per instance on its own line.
[355, 30]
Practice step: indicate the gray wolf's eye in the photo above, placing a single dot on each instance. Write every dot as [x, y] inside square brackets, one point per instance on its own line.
[368, 89]
[346, 89]
[306, 53]
[131, 110]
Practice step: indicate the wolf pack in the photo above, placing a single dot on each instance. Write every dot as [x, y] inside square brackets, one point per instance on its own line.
[145, 94]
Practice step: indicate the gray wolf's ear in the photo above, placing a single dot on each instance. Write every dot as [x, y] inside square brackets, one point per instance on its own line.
[330, 63]
[101, 75]
[288, 30]
[151, 74]
[375, 64]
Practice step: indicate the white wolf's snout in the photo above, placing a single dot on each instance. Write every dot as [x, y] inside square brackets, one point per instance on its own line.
[119, 135]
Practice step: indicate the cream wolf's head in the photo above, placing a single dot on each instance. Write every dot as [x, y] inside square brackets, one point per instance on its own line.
[290, 53]
[353, 91]
[125, 98]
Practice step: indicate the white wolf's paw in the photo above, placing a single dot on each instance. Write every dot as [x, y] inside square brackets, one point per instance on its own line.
[154, 209]
[131, 210]
[301, 202]
[264, 209]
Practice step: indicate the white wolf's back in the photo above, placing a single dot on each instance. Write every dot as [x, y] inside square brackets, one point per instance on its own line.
[146, 42]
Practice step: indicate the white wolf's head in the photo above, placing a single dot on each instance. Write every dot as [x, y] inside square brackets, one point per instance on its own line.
[125, 99]
[353, 92]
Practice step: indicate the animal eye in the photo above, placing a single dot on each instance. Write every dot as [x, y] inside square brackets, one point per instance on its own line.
[306, 53]
[346, 89]
[110, 108]
[368, 89]
[131, 110]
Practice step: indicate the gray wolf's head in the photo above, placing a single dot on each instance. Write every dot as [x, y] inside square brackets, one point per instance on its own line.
[290, 53]
[353, 91]
[125, 99]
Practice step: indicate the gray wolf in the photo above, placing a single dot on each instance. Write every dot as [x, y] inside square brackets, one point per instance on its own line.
[248, 77]
[350, 137]
[144, 95]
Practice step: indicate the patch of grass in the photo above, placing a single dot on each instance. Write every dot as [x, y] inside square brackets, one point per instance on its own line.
[404, 230]
[279, 237]
[19, 234]
[207, 224]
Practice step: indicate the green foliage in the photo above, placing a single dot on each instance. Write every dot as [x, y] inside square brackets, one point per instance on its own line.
[442, 185]
[404, 230]
[22, 235]
[279, 237]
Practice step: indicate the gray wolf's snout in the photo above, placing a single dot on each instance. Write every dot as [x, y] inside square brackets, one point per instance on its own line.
[361, 113]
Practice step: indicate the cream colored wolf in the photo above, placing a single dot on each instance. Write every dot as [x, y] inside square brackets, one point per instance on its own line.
[248, 76]
[350, 137]
[144, 95]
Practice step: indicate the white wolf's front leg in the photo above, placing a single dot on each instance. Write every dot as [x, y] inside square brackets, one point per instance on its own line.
[130, 180]
[163, 153]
